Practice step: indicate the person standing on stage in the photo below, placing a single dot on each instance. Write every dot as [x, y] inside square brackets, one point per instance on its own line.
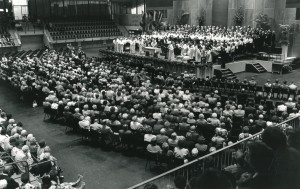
[171, 51]
[184, 49]
[141, 45]
[121, 45]
[198, 54]
[116, 45]
[191, 51]
[132, 46]
[153, 43]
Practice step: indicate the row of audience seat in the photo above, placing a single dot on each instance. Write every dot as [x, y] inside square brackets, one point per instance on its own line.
[80, 30]
[22, 54]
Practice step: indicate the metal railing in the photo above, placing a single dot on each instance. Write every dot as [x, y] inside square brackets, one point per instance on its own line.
[21, 167]
[219, 159]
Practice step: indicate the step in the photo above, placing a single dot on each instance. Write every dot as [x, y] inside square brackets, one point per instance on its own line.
[258, 66]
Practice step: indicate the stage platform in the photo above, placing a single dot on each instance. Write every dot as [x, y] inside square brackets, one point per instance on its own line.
[240, 66]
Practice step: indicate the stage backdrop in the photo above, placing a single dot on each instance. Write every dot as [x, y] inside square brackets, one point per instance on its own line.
[220, 12]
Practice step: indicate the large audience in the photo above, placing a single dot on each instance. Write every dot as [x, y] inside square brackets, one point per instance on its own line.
[124, 97]
[120, 100]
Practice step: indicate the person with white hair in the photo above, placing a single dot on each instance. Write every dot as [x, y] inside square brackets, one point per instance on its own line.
[161, 137]
[23, 137]
[260, 123]
[292, 90]
[290, 104]
[3, 184]
[214, 120]
[23, 156]
[10, 126]
[240, 113]
[193, 155]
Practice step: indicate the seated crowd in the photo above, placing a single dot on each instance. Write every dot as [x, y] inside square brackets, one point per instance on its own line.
[121, 100]
[269, 163]
[25, 162]
[6, 40]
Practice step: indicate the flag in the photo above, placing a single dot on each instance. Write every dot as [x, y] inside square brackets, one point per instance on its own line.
[160, 15]
[154, 15]
[144, 17]
[151, 15]
[142, 23]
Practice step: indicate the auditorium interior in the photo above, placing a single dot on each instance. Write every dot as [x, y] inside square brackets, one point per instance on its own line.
[149, 94]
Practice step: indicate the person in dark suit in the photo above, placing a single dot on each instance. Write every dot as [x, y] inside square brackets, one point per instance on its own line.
[260, 123]
[242, 97]
[250, 109]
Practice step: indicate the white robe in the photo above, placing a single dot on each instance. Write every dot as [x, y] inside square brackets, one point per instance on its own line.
[191, 52]
[184, 50]
[121, 46]
[198, 55]
[171, 55]
[132, 47]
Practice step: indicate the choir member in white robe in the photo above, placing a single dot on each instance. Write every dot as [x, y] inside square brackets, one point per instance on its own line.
[115, 45]
[191, 51]
[153, 43]
[209, 56]
[184, 50]
[121, 46]
[132, 46]
[198, 54]
[141, 45]
[171, 55]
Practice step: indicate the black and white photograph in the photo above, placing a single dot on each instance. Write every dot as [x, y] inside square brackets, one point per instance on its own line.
[149, 94]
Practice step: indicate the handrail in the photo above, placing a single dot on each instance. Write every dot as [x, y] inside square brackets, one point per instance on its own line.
[205, 156]
[16, 163]
[39, 163]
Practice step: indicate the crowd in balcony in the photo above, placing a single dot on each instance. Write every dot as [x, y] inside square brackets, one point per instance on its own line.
[83, 29]
[6, 40]
[26, 162]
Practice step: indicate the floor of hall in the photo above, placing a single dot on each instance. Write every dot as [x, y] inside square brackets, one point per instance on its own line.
[101, 169]
[261, 78]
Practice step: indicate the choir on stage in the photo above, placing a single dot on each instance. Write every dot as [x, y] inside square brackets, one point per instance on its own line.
[194, 42]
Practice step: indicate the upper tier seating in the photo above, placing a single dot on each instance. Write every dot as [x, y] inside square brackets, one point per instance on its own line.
[6, 40]
[83, 29]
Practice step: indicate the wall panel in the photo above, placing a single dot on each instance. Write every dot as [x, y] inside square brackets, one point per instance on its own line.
[220, 12]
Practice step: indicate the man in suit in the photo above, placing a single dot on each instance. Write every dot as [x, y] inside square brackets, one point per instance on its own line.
[260, 123]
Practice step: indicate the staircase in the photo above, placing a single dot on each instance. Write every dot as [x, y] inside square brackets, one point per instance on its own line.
[224, 73]
[15, 37]
[255, 67]
[123, 30]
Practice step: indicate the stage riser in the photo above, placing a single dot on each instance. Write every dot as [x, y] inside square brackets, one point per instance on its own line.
[86, 44]
[237, 67]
